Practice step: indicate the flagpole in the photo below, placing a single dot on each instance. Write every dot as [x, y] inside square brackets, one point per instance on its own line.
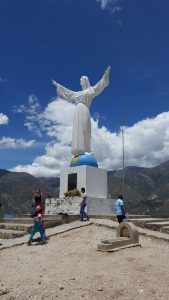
[123, 153]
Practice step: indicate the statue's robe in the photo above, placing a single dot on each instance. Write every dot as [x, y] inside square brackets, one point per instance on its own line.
[81, 133]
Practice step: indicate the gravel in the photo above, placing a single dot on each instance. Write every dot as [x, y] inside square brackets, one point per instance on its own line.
[70, 267]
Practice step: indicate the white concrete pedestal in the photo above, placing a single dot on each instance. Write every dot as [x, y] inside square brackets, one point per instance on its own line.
[93, 179]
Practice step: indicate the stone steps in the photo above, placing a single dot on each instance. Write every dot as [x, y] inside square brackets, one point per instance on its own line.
[15, 226]
[49, 217]
[52, 223]
[139, 216]
[165, 229]
[10, 234]
[17, 220]
[157, 226]
[113, 217]
[147, 220]
[30, 221]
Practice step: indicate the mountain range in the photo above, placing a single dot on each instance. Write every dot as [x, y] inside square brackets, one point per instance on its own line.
[17, 189]
[146, 190]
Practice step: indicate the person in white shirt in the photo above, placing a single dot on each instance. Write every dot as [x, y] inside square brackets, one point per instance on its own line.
[83, 204]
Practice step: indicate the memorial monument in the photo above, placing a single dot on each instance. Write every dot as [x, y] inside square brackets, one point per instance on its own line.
[81, 133]
[83, 170]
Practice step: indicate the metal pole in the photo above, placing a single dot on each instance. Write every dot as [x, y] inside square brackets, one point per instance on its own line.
[123, 157]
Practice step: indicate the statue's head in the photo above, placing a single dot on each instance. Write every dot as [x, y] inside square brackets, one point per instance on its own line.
[84, 81]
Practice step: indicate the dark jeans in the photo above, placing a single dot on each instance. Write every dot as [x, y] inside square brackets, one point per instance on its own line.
[82, 212]
[120, 218]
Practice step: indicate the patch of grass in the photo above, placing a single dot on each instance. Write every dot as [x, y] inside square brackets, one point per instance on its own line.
[4, 292]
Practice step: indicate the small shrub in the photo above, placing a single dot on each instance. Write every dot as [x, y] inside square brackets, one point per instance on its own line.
[72, 193]
[4, 292]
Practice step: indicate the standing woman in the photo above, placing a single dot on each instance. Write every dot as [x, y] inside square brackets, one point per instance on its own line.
[37, 215]
[39, 199]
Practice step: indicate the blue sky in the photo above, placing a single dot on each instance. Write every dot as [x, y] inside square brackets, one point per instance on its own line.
[63, 40]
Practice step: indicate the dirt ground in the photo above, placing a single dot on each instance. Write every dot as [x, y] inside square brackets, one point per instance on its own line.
[69, 267]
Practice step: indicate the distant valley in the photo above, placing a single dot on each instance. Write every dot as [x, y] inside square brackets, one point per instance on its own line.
[146, 189]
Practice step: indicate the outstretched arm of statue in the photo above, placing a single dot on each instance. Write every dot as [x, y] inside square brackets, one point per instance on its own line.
[64, 93]
[54, 83]
[107, 72]
[100, 86]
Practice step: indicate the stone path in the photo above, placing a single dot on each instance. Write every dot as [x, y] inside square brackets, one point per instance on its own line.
[4, 244]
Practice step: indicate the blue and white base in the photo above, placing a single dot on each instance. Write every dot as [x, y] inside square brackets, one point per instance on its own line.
[86, 159]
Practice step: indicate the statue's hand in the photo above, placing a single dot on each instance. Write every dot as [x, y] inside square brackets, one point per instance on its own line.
[54, 83]
[108, 70]
[106, 74]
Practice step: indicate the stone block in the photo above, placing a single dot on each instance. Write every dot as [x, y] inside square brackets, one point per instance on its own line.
[113, 243]
[124, 247]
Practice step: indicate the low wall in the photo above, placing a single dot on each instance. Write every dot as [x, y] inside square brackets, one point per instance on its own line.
[70, 206]
[100, 206]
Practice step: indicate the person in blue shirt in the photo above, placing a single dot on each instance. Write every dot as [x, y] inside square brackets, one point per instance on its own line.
[119, 209]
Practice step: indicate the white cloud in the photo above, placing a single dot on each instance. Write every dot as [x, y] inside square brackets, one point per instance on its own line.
[113, 5]
[3, 119]
[116, 9]
[10, 143]
[103, 3]
[146, 142]
[2, 79]
[33, 114]
[56, 157]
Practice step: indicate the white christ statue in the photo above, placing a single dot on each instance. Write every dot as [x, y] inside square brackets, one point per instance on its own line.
[81, 133]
